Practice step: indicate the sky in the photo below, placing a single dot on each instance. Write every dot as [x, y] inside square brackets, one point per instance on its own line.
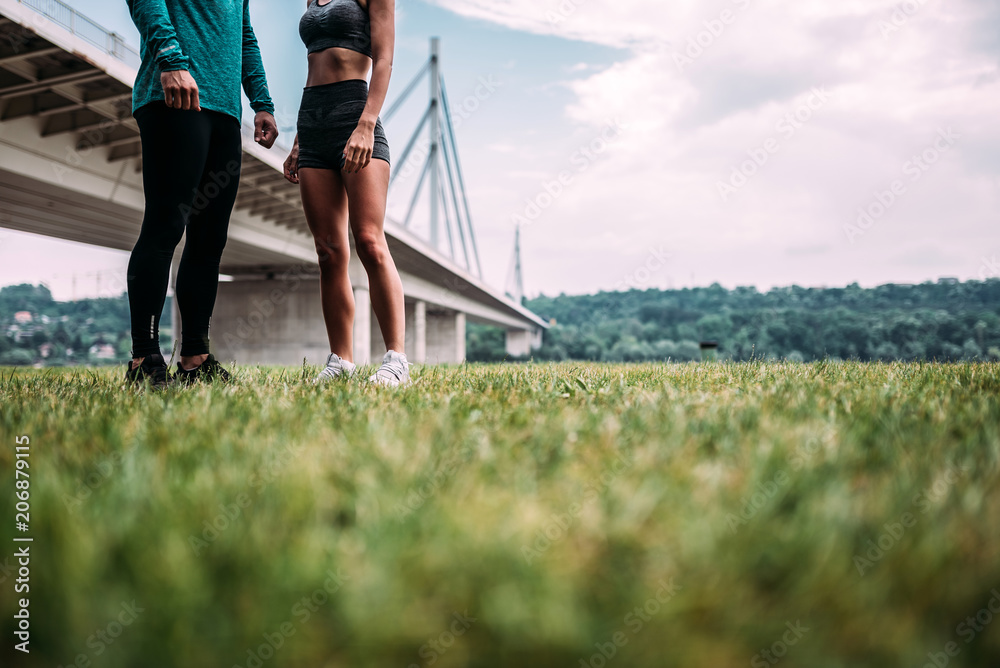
[642, 143]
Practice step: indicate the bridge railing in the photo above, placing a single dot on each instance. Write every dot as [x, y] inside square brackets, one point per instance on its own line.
[78, 24]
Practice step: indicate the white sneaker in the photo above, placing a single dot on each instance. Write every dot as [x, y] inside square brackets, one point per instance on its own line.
[395, 370]
[335, 368]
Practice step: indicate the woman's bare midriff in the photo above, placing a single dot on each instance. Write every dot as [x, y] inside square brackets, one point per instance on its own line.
[336, 64]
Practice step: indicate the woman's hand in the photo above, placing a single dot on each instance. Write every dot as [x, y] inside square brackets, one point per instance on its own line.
[292, 164]
[358, 152]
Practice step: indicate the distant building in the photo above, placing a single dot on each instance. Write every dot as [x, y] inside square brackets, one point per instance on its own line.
[103, 351]
[21, 333]
[45, 350]
[948, 281]
[23, 317]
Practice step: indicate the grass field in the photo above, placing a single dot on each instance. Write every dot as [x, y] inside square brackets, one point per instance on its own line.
[758, 514]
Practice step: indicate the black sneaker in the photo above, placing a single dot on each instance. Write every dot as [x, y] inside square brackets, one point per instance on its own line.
[209, 370]
[153, 370]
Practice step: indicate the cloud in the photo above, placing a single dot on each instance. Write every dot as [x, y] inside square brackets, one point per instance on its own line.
[704, 87]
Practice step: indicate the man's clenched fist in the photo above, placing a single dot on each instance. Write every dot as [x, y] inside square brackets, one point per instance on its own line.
[265, 130]
[180, 90]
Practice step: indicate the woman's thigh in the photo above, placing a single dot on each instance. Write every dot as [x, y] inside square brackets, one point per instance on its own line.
[324, 199]
[367, 191]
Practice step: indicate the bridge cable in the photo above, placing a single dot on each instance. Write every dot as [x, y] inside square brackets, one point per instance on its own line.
[447, 221]
[461, 179]
[406, 93]
[416, 193]
[454, 197]
[411, 144]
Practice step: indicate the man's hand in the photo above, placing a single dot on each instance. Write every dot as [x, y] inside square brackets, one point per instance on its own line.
[265, 130]
[180, 90]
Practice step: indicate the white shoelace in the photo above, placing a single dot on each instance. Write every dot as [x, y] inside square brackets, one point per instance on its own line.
[395, 370]
[335, 368]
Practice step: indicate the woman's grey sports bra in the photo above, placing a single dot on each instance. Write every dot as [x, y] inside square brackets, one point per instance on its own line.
[338, 24]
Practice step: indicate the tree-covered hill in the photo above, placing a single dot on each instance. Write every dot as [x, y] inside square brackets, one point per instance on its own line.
[947, 320]
[34, 328]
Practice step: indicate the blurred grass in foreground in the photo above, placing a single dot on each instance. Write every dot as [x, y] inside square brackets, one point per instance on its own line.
[538, 515]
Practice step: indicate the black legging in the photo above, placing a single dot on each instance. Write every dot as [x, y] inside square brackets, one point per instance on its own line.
[190, 173]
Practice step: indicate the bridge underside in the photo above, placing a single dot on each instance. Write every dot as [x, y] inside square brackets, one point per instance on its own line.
[270, 310]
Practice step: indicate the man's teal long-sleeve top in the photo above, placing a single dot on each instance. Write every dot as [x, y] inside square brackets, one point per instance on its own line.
[213, 40]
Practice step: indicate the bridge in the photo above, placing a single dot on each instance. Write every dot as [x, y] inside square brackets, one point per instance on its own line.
[71, 168]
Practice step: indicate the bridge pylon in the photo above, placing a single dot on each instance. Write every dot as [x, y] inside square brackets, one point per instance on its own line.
[441, 171]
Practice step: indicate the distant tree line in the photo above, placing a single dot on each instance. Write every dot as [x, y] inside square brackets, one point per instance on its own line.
[946, 321]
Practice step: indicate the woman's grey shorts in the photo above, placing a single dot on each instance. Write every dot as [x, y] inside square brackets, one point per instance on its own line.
[328, 116]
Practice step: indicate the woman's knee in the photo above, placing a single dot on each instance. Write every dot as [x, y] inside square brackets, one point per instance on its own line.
[332, 257]
[372, 249]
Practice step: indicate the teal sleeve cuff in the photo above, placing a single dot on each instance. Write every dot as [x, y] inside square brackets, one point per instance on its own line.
[152, 20]
[264, 105]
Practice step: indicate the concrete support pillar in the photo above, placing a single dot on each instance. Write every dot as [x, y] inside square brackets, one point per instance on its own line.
[445, 337]
[419, 351]
[362, 325]
[378, 346]
[518, 342]
[276, 321]
[460, 337]
[279, 320]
